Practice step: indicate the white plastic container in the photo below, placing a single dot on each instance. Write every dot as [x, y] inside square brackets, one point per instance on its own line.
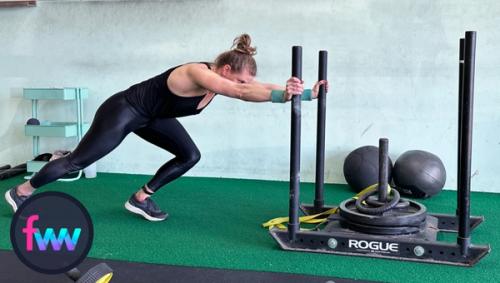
[90, 171]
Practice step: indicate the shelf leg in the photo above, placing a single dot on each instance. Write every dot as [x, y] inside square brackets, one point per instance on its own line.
[36, 139]
[78, 115]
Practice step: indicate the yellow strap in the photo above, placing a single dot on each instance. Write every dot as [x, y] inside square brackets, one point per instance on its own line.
[106, 278]
[312, 219]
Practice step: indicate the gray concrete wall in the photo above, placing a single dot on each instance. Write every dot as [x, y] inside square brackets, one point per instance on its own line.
[392, 69]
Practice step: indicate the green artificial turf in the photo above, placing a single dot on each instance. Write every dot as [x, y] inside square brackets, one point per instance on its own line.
[217, 223]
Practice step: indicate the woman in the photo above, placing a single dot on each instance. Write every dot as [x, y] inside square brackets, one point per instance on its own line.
[150, 108]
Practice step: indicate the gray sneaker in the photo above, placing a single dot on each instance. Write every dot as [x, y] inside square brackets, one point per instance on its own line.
[147, 209]
[14, 199]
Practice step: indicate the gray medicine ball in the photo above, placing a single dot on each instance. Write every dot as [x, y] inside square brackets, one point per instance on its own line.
[361, 167]
[419, 173]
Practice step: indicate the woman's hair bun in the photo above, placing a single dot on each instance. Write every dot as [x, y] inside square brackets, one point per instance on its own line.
[242, 44]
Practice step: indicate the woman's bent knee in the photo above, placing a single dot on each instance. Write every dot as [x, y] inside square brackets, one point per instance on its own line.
[193, 158]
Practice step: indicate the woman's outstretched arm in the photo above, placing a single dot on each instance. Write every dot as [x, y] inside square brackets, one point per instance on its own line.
[254, 91]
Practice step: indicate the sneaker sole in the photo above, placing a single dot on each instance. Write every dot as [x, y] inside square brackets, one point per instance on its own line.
[10, 201]
[138, 211]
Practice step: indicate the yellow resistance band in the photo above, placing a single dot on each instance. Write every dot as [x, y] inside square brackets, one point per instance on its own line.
[315, 218]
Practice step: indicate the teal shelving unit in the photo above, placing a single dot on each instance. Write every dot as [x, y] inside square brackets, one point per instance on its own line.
[54, 129]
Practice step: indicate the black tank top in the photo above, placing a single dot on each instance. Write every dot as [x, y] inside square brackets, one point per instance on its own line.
[153, 98]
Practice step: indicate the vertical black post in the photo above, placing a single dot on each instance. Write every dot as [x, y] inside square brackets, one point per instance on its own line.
[293, 221]
[320, 133]
[466, 143]
[460, 109]
[383, 167]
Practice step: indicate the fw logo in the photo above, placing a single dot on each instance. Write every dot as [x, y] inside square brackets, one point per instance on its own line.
[51, 232]
[49, 236]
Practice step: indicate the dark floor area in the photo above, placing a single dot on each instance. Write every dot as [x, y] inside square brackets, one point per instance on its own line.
[12, 270]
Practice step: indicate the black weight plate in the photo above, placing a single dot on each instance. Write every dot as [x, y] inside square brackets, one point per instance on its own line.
[382, 230]
[413, 215]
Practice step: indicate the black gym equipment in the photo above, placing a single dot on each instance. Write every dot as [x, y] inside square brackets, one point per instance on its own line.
[100, 273]
[8, 172]
[385, 214]
[43, 157]
[33, 121]
[385, 225]
[4, 167]
[361, 167]
[419, 174]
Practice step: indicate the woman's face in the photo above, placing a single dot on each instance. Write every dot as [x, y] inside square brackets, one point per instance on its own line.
[242, 77]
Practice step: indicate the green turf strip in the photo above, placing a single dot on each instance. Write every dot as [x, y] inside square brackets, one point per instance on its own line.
[217, 223]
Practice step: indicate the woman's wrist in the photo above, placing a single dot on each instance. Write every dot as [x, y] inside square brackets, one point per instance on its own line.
[307, 95]
[278, 96]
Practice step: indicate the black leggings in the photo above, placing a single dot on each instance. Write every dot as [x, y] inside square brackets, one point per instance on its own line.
[113, 121]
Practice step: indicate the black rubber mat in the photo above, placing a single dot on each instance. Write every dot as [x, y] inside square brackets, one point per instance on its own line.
[12, 270]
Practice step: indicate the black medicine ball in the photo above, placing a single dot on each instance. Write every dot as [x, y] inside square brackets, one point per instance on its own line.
[419, 173]
[361, 167]
[32, 121]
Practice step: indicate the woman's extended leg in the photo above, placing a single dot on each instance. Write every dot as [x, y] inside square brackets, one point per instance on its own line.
[170, 135]
[114, 119]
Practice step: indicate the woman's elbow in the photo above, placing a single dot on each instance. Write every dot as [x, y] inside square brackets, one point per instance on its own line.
[242, 92]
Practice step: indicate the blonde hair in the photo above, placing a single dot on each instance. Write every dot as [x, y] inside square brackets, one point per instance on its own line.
[240, 56]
